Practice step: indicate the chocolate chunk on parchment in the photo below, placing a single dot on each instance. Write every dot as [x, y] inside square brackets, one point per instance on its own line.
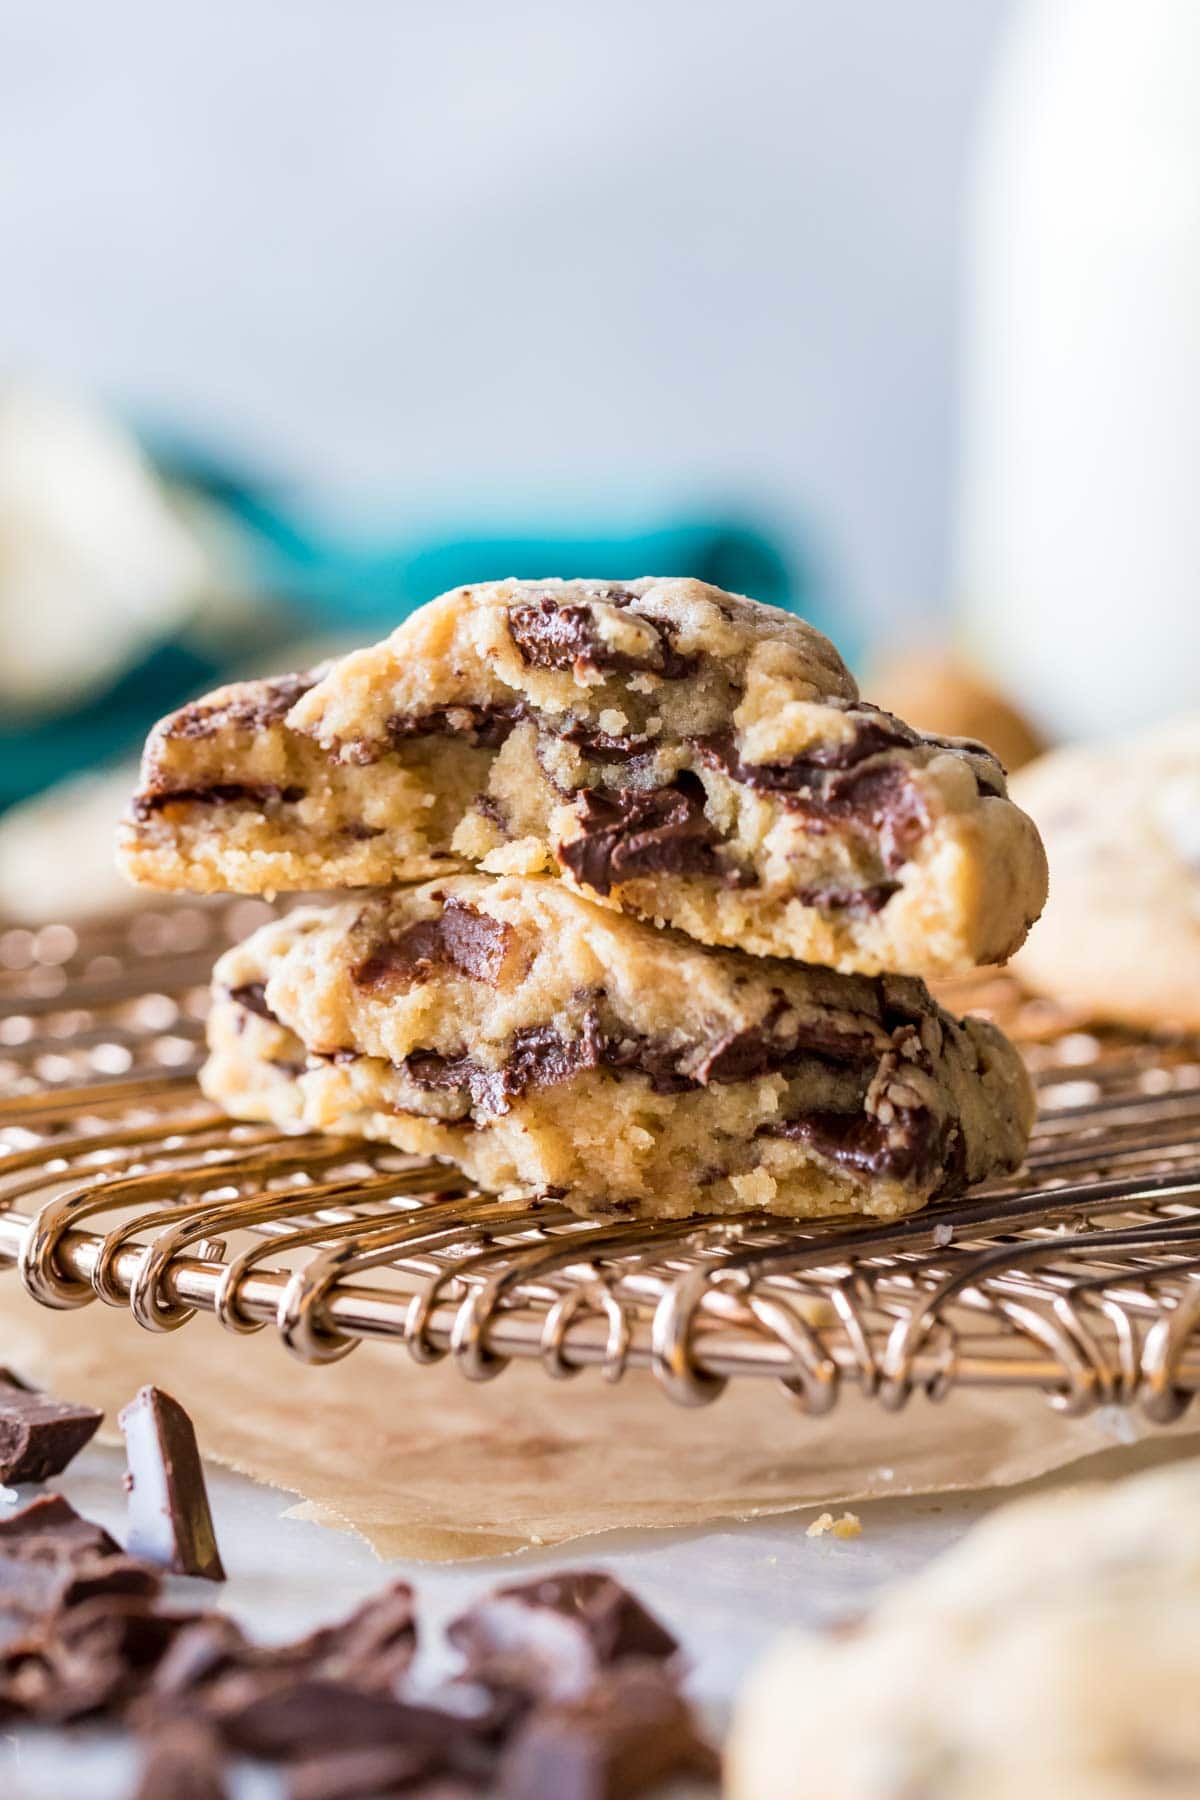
[39, 1436]
[183, 1760]
[629, 1731]
[461, 937]
[552, 1637]
[169, 1519]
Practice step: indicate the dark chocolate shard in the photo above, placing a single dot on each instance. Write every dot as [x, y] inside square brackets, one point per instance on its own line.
[313, 1716]
[219, 793]
[35, 1587]
[39, 1436]
[385, 1769]
[169, 1519]
[552, 1637]
[210, 1647]
[183, 1760]
[372, 1648]
[98, 1659]
[628, 833]
[629, 1731]
[461, 937]
[50, 1528]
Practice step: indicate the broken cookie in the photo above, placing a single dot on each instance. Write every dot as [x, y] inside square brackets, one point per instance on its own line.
[672, 751]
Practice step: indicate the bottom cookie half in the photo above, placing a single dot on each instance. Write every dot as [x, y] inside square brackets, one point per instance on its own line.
[544, 1044]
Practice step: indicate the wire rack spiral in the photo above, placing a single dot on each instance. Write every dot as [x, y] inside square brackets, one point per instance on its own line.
[120, 1183]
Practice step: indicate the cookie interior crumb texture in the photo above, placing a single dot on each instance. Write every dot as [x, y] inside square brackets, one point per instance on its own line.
[544, 1043]
[684, 755]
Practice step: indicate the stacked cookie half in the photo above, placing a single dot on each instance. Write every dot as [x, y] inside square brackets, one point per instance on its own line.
[651, 895]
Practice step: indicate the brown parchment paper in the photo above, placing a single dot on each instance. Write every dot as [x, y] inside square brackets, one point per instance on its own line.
[425, 1464]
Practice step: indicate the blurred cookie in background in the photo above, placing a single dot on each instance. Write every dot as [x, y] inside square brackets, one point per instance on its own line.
[1120, 937]
[1054, 1652]
[939, 693]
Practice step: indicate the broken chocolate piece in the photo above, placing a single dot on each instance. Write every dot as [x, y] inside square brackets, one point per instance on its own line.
[49, 1527]
[551, 1637]
[39, 1436]
[313, 1716]
[371, 1648]
[369, 1774]
[183, 1761]
[630, 832]
[34, 1587]
[96, 1658]
[629, 1730]
[169, 1519]
[461, 937]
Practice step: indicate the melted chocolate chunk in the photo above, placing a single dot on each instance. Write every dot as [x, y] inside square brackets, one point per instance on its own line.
[253, 996]
[882, 798]
[39, 1436]
[538, 1057]
[361, 833]
[912, 1148]
[628, 833]
[563, 635]
[221, 793]
[605, 746]
[856, 903]
[170, 1524]
[264, 703]
[461, 938]
[487, 726]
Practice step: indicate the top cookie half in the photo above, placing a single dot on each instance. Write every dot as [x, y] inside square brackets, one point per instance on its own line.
[685, 755]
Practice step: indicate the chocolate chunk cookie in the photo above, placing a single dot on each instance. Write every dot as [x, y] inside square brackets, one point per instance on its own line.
[1121, 937]
[542, 1042]
[678, 753]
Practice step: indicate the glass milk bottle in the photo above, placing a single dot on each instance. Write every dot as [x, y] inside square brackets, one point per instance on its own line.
[1079, 520]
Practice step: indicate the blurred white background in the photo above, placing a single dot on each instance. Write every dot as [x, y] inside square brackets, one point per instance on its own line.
[570, 253]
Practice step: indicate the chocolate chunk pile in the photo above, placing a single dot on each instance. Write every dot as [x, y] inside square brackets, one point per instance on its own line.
[567, 1690]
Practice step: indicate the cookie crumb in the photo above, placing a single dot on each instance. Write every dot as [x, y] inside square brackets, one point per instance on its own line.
[848, 1526]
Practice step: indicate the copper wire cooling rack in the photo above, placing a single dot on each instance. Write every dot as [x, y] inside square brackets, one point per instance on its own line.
[119, 1182]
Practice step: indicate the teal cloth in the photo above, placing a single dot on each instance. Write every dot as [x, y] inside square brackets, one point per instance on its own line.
[326, 582]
